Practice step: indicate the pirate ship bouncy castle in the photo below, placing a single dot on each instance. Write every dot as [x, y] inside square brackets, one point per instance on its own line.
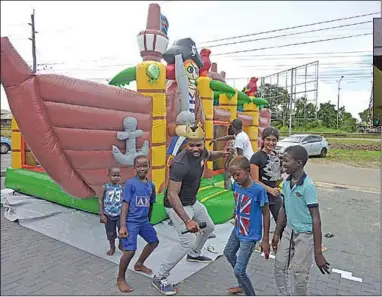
[61, 151]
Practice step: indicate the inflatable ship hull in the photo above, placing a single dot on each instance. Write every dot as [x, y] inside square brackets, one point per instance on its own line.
[70, 126]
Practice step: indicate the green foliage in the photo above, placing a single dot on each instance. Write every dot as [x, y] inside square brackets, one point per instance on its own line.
[365, 116]
[278, 100]
[304, 117]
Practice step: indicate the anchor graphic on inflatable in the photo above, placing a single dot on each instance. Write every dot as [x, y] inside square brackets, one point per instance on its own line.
[130, 134]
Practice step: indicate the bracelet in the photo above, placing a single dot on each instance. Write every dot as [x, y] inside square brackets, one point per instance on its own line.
[189, 220]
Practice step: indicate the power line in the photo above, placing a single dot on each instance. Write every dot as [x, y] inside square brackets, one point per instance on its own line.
[285, 37]
[288, 34]
[316, 53]
[103, 67]
[257, 67]
[324, 71]
[293, 44]
[289, 28]
[48, 32]
[239, 58]
[354, 75]
[321, 64]
[334, 66]
[13, 25]
[337, 57]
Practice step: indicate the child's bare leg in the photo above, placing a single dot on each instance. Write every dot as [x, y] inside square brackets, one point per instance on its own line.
[120, 246]
[123, 264]
[111, 234]
[111, 251]
[149, 248]
[235, 290]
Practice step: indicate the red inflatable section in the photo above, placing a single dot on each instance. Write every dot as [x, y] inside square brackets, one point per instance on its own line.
[264, 121]
[69, 124]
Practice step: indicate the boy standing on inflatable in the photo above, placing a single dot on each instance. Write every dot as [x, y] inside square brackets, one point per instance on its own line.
[184, 210]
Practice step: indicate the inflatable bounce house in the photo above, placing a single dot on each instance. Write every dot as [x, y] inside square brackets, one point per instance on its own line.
[67, 132]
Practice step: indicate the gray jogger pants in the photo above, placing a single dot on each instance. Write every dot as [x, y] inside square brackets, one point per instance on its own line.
[188, 243]
[295, 251]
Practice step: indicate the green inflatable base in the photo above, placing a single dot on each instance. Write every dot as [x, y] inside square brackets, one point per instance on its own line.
[218, 201]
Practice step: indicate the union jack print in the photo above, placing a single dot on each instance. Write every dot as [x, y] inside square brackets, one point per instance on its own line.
[242, 213]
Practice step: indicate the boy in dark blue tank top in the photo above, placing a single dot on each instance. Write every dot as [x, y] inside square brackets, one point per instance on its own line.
[138, 199]
[110, 204]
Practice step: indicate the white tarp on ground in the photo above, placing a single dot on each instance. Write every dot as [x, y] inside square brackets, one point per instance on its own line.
[84, 231]
[377, 34]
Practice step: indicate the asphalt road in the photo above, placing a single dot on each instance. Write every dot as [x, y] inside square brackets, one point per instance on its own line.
[5, 161]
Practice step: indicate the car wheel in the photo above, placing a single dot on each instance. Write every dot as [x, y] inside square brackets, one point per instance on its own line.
[4, 148]
[323, 153]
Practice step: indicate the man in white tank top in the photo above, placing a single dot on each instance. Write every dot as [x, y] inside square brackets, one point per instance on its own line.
[242, 143]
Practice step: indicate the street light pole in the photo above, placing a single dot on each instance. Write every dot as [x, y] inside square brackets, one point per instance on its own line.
[338, 101]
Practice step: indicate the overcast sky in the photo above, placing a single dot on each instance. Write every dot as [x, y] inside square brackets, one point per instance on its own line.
[96, 40]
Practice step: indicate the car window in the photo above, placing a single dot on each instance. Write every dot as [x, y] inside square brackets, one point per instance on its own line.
[294, 139]
[315, 139]
[307, 139]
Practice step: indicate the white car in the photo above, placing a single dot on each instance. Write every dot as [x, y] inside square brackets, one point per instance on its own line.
[314, 144]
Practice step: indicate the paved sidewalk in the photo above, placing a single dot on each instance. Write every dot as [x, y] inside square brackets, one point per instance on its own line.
[5, 162]
[33, 264]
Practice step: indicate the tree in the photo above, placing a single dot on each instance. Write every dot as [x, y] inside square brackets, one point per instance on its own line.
[347, 122]
[304, 117]
[328, 115]
[278, 99]
[365, 116]
[303, 109]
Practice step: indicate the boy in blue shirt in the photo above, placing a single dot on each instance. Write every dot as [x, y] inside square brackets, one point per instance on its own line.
[250, 213]
[138, 199]
[109, 205]
[302, 235]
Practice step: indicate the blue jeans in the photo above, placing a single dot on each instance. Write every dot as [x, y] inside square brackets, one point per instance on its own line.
[239, 261]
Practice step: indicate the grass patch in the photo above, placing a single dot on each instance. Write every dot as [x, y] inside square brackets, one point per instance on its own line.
[329, 133]
[352, 141]
[6, 132]
[313, 130]
[357, 158]
[355, 144]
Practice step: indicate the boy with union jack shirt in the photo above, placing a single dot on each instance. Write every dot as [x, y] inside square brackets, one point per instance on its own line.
[250, 212]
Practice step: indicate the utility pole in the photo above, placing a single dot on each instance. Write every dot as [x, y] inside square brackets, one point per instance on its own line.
[338, 101]
[33, 39]
[291, 101]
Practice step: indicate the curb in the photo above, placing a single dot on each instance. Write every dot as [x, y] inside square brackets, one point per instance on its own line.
[346, 187]
[3, 173]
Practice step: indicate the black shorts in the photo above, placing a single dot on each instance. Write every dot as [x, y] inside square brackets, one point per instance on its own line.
[112, 226]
